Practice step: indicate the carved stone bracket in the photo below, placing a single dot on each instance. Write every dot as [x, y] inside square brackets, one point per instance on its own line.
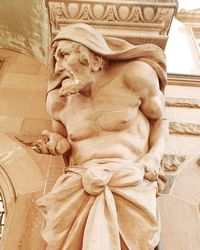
[171, 162]
[146, 21]
[184, 128]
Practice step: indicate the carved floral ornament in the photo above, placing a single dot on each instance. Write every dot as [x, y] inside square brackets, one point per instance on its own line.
[108, 12]
[128, 13]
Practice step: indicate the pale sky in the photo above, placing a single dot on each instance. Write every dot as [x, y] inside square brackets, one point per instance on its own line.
[179, 53]
[189, 4]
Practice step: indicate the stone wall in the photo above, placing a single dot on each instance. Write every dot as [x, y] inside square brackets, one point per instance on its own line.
[183, 113]
[22, 118]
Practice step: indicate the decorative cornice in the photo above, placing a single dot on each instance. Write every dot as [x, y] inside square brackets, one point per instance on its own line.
[189, 16]
[182, 102]
[138, 22]
[196, 31]
[184, 128]
[184, 80]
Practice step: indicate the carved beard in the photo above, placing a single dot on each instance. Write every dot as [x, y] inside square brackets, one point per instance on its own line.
[79, 84]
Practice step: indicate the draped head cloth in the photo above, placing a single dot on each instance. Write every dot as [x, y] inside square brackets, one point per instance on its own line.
[114, 49]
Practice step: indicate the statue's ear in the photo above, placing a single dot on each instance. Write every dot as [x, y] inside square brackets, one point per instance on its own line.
[84, 59]
[96, 63]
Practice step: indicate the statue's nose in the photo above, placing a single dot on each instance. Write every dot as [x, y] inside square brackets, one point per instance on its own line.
[95, 180]
[59, 67]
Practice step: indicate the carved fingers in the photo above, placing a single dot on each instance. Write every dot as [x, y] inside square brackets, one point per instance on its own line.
[51, 143]
[69, 89]
[150, 175]
[161, 184]
[151, 166]
[40, 147]
[69, 85]
[76, 84]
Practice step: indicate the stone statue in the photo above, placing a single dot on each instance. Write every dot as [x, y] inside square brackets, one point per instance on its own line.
[105, 98]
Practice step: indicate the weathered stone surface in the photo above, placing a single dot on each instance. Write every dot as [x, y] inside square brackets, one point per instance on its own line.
[21, 185]
[182, 102]
[184, 128]
[14, 162]
[179, 209]
[24, 28]
[171, 162]
[169, 183]
[186, 185]
[183, 80]
[180, 224]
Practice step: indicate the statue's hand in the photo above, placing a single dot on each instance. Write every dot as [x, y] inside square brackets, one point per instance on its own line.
[70, 87]
[51, 143]
[75, 84]
[150, 174]
[151, 166]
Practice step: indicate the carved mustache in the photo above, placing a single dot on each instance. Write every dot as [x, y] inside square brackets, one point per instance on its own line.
[57, 79]
[69, 83]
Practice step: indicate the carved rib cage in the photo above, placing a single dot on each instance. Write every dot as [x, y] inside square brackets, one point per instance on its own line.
[137, 22]
[2, 215]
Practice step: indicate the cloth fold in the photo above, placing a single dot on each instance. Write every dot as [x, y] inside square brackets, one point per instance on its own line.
[101, 206]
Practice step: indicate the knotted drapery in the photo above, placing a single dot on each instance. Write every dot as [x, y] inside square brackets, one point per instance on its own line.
[101, 205]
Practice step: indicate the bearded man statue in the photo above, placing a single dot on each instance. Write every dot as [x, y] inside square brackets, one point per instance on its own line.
[105, 98]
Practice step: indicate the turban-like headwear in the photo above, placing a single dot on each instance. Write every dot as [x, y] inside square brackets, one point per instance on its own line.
[114, 49]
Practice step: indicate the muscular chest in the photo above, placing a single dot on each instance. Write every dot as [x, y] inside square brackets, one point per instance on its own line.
[85, 117]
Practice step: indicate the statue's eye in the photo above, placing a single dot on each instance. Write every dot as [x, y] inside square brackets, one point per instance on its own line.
[63, 54]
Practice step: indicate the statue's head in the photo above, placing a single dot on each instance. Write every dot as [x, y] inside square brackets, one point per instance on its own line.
[77, 44]
[92, 51]
[72, 56]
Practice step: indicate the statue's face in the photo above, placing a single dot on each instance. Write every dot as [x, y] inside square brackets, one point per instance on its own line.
[67, 58]
[72, 67]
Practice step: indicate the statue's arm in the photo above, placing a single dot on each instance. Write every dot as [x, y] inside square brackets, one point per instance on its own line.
[54, 142]
[153, 108]
[158, 135]
[143, 80]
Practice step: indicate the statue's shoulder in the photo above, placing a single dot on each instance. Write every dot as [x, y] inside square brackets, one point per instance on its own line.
[139, 74]
[138, 66]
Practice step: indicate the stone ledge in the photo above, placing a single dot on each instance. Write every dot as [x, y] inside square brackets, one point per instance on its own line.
[184, 128]
[182, 102]
[136, 21]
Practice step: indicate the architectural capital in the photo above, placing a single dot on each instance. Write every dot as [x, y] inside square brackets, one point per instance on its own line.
[138, 22]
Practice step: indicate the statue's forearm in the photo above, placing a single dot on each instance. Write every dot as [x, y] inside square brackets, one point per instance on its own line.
[157, 140]
[158, 136]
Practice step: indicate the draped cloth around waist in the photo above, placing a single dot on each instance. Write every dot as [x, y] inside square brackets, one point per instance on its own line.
[101, 206]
